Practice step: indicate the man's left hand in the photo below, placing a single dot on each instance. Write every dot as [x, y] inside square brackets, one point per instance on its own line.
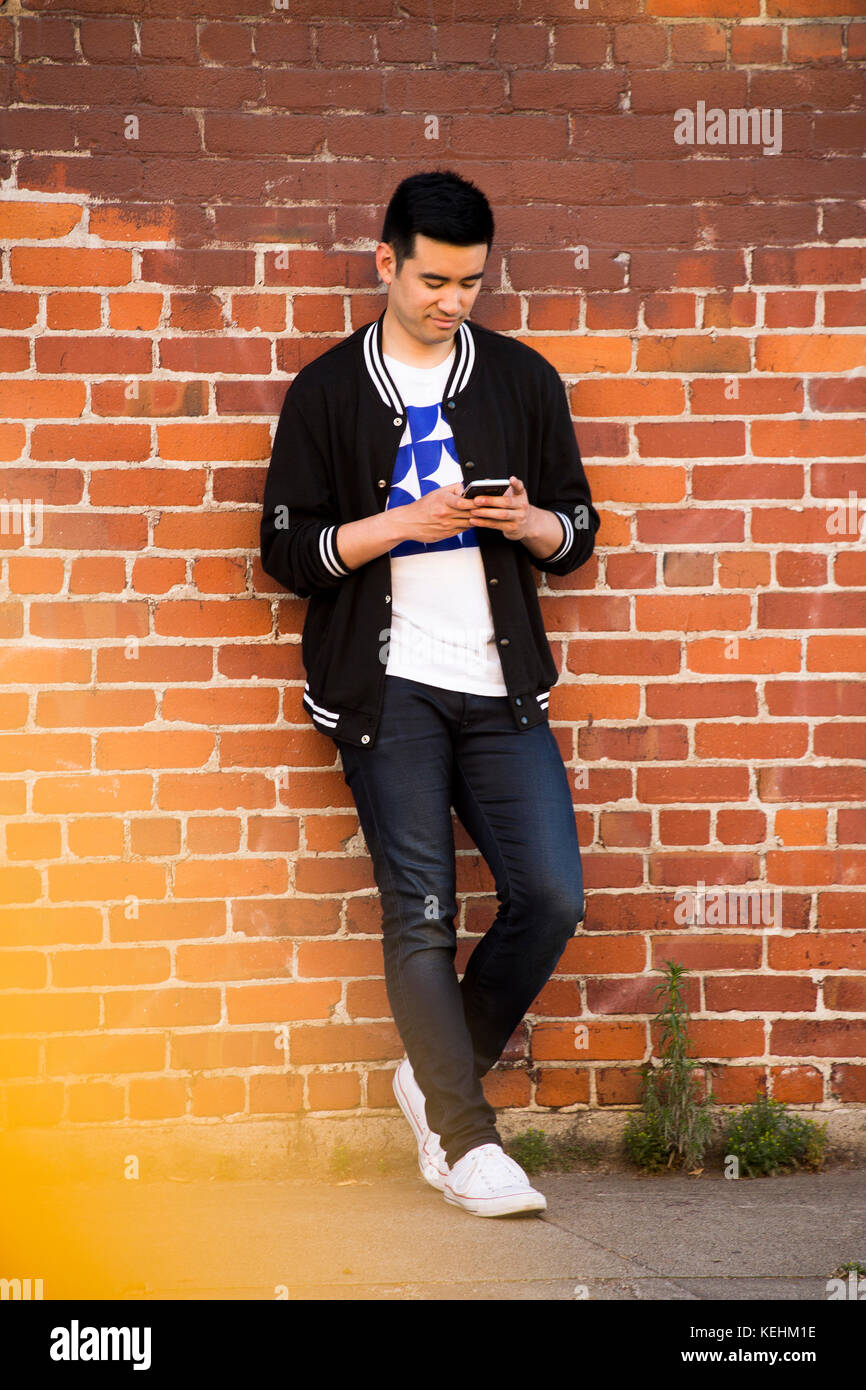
[511, 513]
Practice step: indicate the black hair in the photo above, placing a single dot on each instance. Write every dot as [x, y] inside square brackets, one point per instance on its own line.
[440, 205]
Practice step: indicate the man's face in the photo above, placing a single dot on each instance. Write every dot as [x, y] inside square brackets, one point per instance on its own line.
[436, 287]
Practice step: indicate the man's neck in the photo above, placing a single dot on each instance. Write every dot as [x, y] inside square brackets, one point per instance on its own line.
[400, 345]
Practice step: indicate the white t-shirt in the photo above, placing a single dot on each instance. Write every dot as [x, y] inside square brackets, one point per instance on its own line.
[441, 624]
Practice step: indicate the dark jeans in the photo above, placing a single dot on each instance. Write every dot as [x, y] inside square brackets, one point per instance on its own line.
[436, 748]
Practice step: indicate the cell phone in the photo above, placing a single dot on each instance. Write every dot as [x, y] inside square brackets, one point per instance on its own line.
[486, 487]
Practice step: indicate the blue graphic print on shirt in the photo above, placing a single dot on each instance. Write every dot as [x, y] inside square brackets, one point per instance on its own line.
[426, 460]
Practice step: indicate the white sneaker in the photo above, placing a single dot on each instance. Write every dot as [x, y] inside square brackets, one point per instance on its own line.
[486, 1182]
[410, 1098]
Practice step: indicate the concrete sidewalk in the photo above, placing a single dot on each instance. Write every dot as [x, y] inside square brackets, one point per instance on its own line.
[610, 1236]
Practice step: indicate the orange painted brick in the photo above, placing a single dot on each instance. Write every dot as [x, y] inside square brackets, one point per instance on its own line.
[625, 996]
[226, 1049]
[367, 1042]
[796, 826]
[215, 834]
[110, 966]
[791, 310]
[157, 1097]
[88, 792]
[99, 882]
[236, 960]
[693, 354]
[688, 9]
[831, 947]
[622, 398]
[796, 1085]
[135, 312]
[275, 1095]
[815, 43]
[93, 1101]
[96, 837]
[33, 399]
[105, 1054]
[203, 442]
[758, 44]
[154, 835]
[338, 959]
[556, 1041]
[675, 613]
[369, 998]
[77, 310]
[263, 311]
[39, 1103]
[503, 1089]
[670, 310]
[281, 1003]
[739, 1085]
[760, 994]
[712, 1038]
[760, 740]
[698, 43]
[846, 995]
[741, 827]
[732, 656]
[32, 841]
[818, 1037]
[734, 309]
[684, 827]
[582, 356]
[339, 1090]
[558, 1086]
[217, 1095]
[163, 1007]
[559, 998]
[617, 1085]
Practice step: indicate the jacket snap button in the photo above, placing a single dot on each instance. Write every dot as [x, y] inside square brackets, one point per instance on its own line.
[382, 482]
[387, 598]
[523, 718]
[469, 463]
[494, 581]
[518, 701]
[398, 419]
[450, 404]
[503, 642]
[365, 738]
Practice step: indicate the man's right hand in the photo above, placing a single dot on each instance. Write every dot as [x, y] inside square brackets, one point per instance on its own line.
[438, 515]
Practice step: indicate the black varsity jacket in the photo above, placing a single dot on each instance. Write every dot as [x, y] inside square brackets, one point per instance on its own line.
[332, 462]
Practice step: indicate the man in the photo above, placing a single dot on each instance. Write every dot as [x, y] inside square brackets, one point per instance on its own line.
[426, 656]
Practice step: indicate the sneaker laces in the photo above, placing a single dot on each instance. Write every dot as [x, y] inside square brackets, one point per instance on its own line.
[494, 1158]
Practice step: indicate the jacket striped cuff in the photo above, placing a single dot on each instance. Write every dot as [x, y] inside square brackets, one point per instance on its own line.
[568, 539]
[330, 555]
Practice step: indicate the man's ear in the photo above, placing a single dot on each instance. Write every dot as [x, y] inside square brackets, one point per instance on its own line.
[386, 262]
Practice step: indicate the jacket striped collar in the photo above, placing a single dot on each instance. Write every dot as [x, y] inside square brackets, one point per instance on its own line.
[461, 370]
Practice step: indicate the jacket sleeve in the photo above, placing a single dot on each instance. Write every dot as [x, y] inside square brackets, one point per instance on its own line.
[299, 520]
[563, 487]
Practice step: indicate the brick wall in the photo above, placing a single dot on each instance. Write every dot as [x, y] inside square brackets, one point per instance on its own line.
[189, 210]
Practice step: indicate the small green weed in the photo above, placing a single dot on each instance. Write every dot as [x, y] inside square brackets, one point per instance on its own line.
[531, 1149]
[341, 1162]
[675, 1126]
[537, 1153]
[768, 1139]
